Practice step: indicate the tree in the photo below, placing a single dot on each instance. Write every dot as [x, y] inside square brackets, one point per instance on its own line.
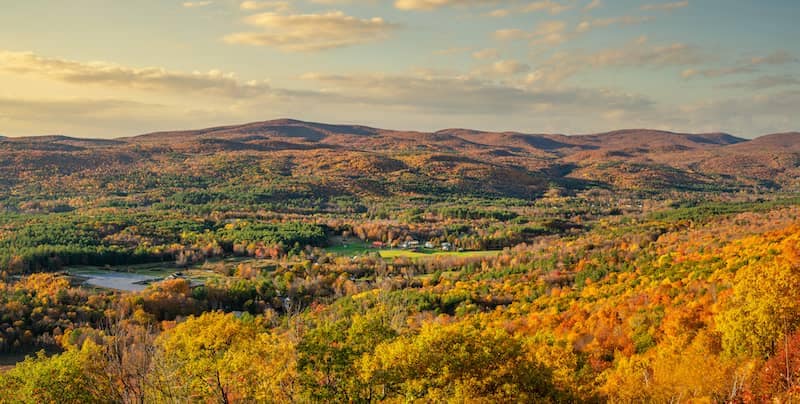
[75, 376]
[459, 362]
[225, 359]
[765, 305]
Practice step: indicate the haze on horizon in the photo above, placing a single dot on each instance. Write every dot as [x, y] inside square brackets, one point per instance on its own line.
[110, 68]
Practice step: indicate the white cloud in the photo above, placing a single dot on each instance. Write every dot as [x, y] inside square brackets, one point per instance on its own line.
[311, 32]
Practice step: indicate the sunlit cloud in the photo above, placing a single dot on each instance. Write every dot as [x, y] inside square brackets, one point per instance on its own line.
[196, 4]
[311, 32]
[214, 83]
[588, 25]
[548, 6]
[489, 53]
[467, 94]
[637, 54]
[547, 32]
[434, 4]
[275, 6]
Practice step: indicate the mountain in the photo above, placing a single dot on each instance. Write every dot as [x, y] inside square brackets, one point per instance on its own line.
[355, 159]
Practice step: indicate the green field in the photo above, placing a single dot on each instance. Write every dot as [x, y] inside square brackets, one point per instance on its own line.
[430, 253]
[360, 248]
[350, 249]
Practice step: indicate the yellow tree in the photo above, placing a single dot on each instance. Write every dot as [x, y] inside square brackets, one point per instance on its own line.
[225, 359]
[459, 363]
[763, 309]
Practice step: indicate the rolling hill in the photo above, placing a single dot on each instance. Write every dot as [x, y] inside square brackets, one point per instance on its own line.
[357, 159]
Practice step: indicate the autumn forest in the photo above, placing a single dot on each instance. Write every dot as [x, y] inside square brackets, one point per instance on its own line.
[288, 261]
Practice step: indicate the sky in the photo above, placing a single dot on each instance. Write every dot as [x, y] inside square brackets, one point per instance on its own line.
[110, 68]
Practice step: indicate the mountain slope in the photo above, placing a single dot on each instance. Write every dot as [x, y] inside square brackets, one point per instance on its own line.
[361, 159]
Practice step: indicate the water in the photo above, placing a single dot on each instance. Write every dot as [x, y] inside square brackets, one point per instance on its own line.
[124, 281]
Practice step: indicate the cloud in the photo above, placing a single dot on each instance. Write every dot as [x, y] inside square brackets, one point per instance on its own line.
[547, 32]
[549, 6]
[636, 54]
[752, 65]
[510, 34]
[593, 5]
[489, 53]
[507, 67]
[588, 25]
[499, 13]
[311, 32]
[557, 32]
[753, 114]
[275, 6]
[213, 83]
[500, 68]
[451, 51]
[196, 4]
[766, 82]
[428, 5]
[675, 54]
[467, 94]
[666, 6]
[780, 57]
[718, 72]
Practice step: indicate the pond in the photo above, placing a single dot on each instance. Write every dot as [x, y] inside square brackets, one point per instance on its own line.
[125, 281]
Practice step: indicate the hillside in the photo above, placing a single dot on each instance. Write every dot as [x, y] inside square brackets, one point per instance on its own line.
[360, 161]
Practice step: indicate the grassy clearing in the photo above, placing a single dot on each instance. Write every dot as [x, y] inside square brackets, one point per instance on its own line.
[431, 253]
[357, 247]
[350, 249]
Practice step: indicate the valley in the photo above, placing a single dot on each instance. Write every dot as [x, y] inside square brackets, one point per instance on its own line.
[290, 261]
